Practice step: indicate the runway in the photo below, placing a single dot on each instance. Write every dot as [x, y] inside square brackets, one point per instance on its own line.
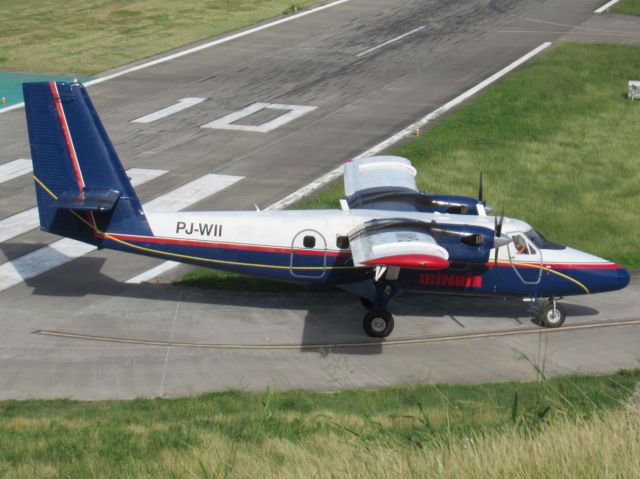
[266, 113]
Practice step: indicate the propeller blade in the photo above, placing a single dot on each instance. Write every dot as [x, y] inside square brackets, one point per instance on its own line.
[499, 224]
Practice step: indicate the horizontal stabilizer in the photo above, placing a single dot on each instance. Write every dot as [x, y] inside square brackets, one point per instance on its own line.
[90, 200]
[416, 261]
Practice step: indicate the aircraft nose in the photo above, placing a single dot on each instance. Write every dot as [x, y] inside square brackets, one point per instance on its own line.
[623, 277]
[611, 278]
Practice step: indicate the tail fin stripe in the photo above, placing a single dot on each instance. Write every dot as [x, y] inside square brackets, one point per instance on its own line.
[67, 135]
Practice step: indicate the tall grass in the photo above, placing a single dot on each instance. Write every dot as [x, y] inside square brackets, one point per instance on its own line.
[91, 36]
[569, 423]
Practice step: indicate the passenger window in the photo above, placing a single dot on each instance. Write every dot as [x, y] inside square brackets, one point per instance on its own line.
[309, 241]
[342, 242]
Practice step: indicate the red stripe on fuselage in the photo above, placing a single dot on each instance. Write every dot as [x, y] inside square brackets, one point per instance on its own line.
[67, 135]
[234, 246]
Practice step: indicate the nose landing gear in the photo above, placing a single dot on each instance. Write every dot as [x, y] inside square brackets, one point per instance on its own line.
[551, 314]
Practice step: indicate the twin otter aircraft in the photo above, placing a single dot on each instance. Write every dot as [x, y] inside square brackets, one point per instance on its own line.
[386, 239]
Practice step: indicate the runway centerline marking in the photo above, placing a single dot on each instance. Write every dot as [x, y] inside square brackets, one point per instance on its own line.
[337, 172]
[389, 42]
[606, 6]
[65, 250]
[182, 104]
[14, 169]
[28, 220]
[337, 345]
[228, 122]
[198, 48]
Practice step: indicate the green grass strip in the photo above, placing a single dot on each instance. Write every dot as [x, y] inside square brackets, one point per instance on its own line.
[630, 7]
[86, 37]
[168, 437]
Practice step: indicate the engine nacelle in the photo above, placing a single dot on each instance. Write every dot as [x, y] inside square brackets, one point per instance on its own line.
[465, 243]
[404, 199]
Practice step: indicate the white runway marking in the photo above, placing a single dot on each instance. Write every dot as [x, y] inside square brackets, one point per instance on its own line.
[227, 121]
[153, 272]
[337, 172]
[204, 46]
[15, 168]
[182, 104]
[606, 6]
[28, 220]
[389, 42]
[191, 193]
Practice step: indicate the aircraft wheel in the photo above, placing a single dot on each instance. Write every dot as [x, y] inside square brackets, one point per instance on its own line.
[378, 323]
[552, 315]
[366, 302]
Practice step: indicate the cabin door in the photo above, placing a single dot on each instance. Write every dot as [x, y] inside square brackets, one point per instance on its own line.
[525, 259]
[308, 255]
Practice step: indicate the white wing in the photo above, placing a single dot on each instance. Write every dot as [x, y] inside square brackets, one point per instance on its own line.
[388, 172]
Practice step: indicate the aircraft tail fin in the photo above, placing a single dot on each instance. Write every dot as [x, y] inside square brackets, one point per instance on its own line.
[81, 187]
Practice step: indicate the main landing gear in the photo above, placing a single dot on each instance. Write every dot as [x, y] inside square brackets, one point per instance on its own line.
[378, 322]
[551, 314]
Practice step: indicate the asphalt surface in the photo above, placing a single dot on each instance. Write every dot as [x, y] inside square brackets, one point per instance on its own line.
[361, 98]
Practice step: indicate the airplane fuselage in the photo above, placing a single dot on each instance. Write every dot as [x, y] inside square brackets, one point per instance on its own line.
[311, 247]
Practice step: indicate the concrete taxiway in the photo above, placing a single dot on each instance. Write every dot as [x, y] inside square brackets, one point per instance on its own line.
[355, 73]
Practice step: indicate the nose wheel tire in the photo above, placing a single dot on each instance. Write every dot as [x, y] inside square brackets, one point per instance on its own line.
[378, 323]
[552, 315]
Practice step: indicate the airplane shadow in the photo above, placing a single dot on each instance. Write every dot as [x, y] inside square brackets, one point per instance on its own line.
[331, 317]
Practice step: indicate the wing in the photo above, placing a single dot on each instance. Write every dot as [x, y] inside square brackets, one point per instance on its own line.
[376, 173]
[396, 242]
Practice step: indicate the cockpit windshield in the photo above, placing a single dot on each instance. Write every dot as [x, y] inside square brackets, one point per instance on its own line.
[539, 240]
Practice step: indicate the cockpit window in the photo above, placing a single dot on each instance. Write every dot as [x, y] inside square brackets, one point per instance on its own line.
[540, 241]
[520, 244]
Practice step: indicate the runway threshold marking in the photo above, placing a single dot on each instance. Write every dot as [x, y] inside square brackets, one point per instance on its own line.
[606, 6]
[204, 46]
[182, 104]
[65, 250]
[337, 172]
[361, 344]
[28, 220]
[14, 169]
[389, 42]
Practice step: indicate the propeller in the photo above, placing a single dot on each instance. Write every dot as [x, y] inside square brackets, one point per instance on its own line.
[499, 239]
[485, 208]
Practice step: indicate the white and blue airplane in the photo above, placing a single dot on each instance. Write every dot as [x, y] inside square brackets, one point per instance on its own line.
[387, 237]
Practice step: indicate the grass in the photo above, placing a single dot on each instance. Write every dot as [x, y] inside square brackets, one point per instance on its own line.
[85, 37]
[568, 426]
[215, 279]
[631, 7]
